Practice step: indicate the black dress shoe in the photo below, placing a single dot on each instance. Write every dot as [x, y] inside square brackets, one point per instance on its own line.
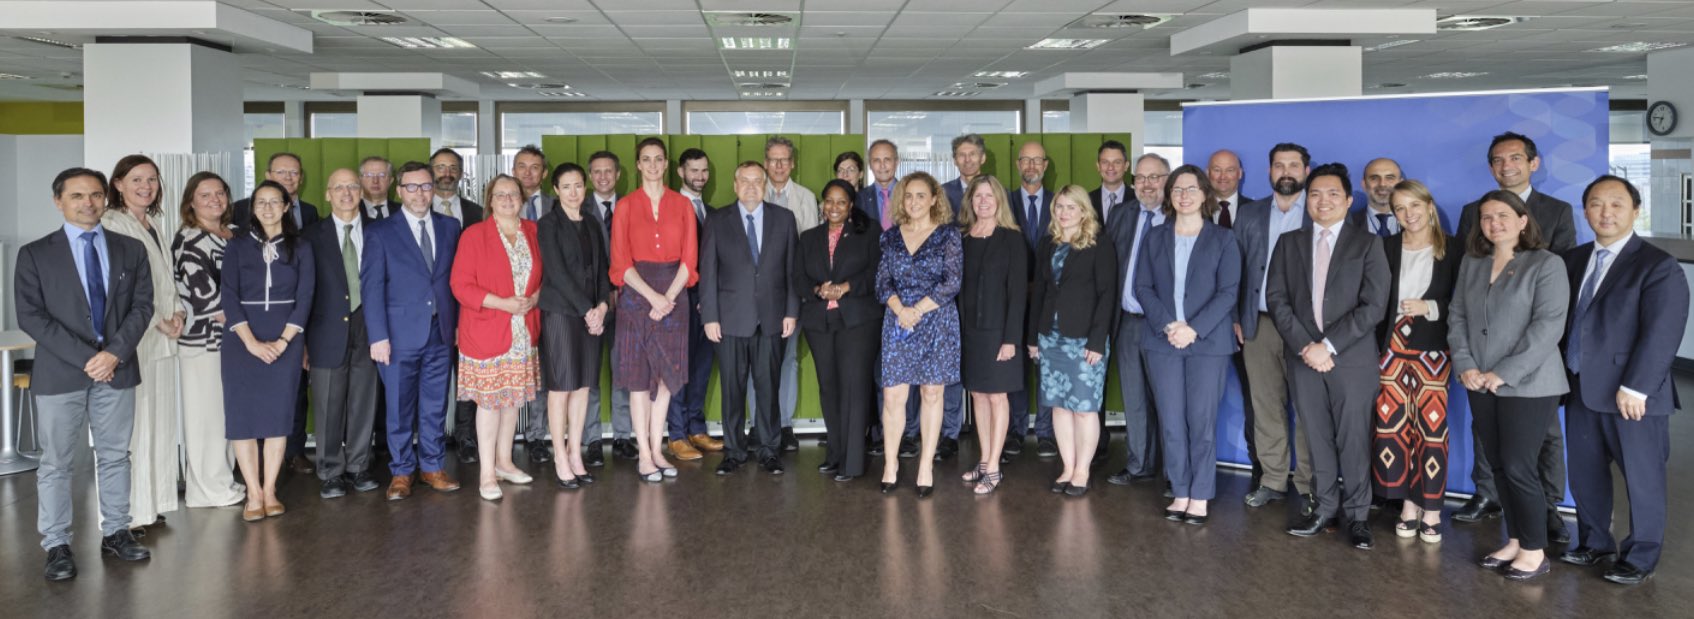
[1585, 556]
[875, 449]
[1059, 487]
[1625, 574]
[1513, 573]
[1558, 535]
[908, 447]
[586, 478]
[1120, 478]
[890, 486]
[567, 484]
[789, 441]
[843, 478]
[1359, 535]
[1311, 526]
[728, 466]
[625, 449]
[1195, 520]
[332, 489]
[363, 482]
[1076, 491]
[123, 545]
[1046, 448]
[467, 452]
[1488, 562]
[1477, 509]
[540, 452]
[1174, 515]
[827, 468]
[772, 465]
[1308, 504]
[1014, 445]
[60, 565]
[594, 454]
[948, 448]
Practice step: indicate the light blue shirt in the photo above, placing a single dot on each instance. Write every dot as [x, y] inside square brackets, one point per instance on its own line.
[1280, 222]
[78, 250]
[1184, 248]
[1148, 217]
[758, 214]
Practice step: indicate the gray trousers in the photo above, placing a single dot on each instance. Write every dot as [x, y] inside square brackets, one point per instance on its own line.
[1140, 424]
[622, 427]
[64, 420]
[1335, 408]
[1550, 464]
[345, 401]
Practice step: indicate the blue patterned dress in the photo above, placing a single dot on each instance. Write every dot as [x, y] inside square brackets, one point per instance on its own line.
[1067, 380]
[929, 353]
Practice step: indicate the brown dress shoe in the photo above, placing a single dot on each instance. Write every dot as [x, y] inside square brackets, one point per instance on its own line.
[301, 465]
[400, 487]
[681, 450]
[705, 442]
[439, 481]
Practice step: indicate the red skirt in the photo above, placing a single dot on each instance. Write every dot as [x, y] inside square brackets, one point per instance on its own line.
[647, 352]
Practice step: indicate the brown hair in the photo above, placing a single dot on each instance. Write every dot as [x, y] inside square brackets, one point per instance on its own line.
[186, 211]
[1529, 238]
[1002, 209]
[488, 190]
[939, 212]
[1417, 191]
[126, 165]
[1088, 230]
[1208, 196]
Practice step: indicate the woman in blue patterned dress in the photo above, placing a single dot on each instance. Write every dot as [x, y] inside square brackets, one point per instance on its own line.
[921, 269]
[1071, 303]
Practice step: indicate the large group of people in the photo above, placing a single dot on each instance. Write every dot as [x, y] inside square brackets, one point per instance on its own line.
[911, 294]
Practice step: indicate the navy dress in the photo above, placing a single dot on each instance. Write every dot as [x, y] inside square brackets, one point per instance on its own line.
[267, 288]
[929, 353]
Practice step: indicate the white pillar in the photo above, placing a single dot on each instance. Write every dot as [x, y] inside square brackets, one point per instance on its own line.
[400, 116]
[1297, 72]
[673, 116]
[1111, 112]
[160, 98]
[1032, 116]
[487, 140]
[294, 119]
[855, 116]
[1670, 78]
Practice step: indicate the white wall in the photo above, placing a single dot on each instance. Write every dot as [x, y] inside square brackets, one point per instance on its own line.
[28, 164]
[160, 98]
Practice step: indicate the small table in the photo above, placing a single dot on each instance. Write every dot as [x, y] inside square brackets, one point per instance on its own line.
[12, 461]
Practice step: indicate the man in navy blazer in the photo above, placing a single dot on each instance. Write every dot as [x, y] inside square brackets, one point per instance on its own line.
[1032, 203]
[411, 315]
[969, 153]
[1224, 169]
[1626, 321]
[342, 375]
[876, 197]
[284, 168]
[1128, 228]
[1112, 161]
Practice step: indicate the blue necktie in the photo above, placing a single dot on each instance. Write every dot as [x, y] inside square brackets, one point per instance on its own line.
[1573, 349]
[529, 209]
[1034, 221]
[427, 247]
[753, 240]
[1382, 225]
[96, 286]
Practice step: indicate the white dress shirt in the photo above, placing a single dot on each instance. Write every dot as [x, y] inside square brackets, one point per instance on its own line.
[358, 233]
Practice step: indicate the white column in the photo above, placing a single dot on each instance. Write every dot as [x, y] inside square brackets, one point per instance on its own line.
[1297, 72]
[487, 139]
[294, 119]
[160, 98]
[400, 116]
[1111, 112]
[855, 116]
[1032, 116]
[1670, 78]
[673, 117]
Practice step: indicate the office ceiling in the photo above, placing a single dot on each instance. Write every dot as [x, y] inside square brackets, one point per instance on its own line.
[619, 50]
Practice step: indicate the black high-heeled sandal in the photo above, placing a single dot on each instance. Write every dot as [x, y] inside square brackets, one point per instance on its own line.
[977, 474]
[991, 481]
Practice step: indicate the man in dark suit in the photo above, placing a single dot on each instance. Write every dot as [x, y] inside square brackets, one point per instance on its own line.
[1513, 159]
[84, 296]
[1625, 322]
[749, 307]
[875, 200]
[1328, 289]
[411, 316]
[1140, 422]
[603, 175]
[529, 166]
[686, 421]
[1031, 202]
[376, 177]
[342, 375]
[969, 153]
[1112, 161]
[449, 168]
[1376, 215]
[1224, 170]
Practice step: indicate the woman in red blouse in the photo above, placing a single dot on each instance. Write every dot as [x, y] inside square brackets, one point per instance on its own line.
[653, 261]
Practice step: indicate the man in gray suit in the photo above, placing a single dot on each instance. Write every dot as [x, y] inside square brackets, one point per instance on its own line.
[749, 308]
[83, 295]
[1140, 422]
[1328, 289]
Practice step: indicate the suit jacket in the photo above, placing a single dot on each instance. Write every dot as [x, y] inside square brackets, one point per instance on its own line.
[999, 286]
[1082, 299]
[1020, 205]
[53, 310]
[1098, 199]
[736, 294]
[1632, 327]
[955, 190]
[1513, 326]
[856, 257]
[1558, 225]
[571, 284]
[471, 211]
[394, 207]
[1355, 295]
[481, 268]
[327, 329]
[1426, 334]
[867, 202]
[1213, 280]
[242, 212]
[400, 293]
[1252, 231]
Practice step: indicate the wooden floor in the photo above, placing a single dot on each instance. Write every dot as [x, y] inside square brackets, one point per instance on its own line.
[800, 545]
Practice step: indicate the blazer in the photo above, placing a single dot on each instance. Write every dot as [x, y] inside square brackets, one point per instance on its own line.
[394, 207]
[1558, 226]
[1122, 231]
[1632, 327]
[856, 257]
[242, 212]
[1097, 198]
[867, 202]
[401, 295]
[955, 190]
[473, 212]
[999, 285]
[154, 345]
[1355, 295]
[736, 294]
[1082, 300]
[1426, 334]
[1019, 205]
[1213, 280]
[327, 328]
[572, 284]
[1512, 327]
[53, 310]
[481, 268]
[1252, 232]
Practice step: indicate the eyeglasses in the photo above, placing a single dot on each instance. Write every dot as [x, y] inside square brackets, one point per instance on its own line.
[507, 195]
[772, 161]
[1184, 191]
[285, 173]
[1029, 160]
[1150, 178]
[417, 187]
[375, 175]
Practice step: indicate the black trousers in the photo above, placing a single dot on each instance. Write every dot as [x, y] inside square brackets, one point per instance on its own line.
[761, 357]
[1512, 431]
[296, 445]
[845, 357]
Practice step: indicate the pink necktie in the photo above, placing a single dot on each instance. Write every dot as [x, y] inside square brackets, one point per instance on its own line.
[887, 222]
[1320, 275]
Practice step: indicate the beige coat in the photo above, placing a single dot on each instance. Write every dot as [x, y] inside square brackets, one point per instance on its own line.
[154, 345]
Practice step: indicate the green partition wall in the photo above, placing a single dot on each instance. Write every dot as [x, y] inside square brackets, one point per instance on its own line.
[320, 156]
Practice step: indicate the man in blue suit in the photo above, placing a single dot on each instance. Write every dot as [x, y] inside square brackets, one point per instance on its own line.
[1128, 228]
[1625, 324]
[411, 316]
[969, 153]
[875, 199]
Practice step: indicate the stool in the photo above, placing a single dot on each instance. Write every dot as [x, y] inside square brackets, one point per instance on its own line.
[21, 370]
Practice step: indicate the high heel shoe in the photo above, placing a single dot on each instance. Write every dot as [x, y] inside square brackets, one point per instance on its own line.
[1059, 487]
[568, 484]
[976, 475]
[519, 477]
[889, 486]
[990, 482]
[1076, 491]
[586, 478]
[1175, 515]
[925, 491]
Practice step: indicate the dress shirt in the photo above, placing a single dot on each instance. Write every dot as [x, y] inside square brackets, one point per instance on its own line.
[1184, 249]
[1334, 241]
[605, 204]
[758, 214]
[1374, 223]
[884, 195]
[451, 207]
[412, 222]
[1149, 217]
[75, 235]
[1110, 198]
[1234, 201]
[1280, 222]
[638, 237]
[377, 210]
[358, 233]
[699, 202]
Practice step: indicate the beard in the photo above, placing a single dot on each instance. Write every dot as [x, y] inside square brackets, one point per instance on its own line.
[1288, 186]
[1029, 179]
[447, 183]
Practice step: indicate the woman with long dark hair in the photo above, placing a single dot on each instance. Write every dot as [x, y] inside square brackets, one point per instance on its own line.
[836, 279]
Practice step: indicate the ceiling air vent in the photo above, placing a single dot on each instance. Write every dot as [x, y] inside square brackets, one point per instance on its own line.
[737, 18]
[1468, 23]
[358, 18]
[1131, 20]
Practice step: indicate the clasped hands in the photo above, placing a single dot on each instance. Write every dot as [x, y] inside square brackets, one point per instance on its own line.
[514, 305]
[831, 291]
[1180, 335]
[1317, 357]
[1477, 380]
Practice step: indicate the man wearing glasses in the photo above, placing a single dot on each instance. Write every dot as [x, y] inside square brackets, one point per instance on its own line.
[1031, 205]
[1140, 424]
[375, 176]
[781, 190]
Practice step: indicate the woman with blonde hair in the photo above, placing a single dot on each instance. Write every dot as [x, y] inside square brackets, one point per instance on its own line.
[992, 298]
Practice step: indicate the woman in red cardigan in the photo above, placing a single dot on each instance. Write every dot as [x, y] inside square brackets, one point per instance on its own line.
[498, 366]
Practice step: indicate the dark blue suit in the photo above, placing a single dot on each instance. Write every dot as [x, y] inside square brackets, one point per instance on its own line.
[955, 190]
[412, 308]
[1019, 201]
[1626, 336]
[867, 202]
[1188, 383]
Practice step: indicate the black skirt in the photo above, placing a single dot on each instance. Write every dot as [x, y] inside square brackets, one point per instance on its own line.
[981, 372]
[570, 357]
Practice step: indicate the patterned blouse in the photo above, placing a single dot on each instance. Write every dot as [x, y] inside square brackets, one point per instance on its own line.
[199, 269]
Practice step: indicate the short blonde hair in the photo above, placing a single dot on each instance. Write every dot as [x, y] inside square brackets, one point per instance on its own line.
[1088, 231]
[1002, 209]
[939, 212]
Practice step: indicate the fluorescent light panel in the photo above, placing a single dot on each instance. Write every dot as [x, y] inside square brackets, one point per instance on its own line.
[512, 75]
[1068, 43]
[429, 42]
[1638, 47]
[1010, 75]
[756, 43]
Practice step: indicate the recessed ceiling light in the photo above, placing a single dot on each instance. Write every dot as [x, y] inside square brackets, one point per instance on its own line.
[358, 18]
[1391, 45]
[1113, 20]
[47, 41]
[1215, 75]
[977, 84]
[539, 85]
[1454, 75]
[294, 86]
[1472, 23]
[1389, 85]
[956, 93]
[561, 93]
[13, 76]
[1068, 43]
[429, 42]
[1637, 47]
[764, 94]
[512, 75]
[1194, 85]
[760, 75]
[560, 20]
[1009, 75]
[748, 19]
[756, 43]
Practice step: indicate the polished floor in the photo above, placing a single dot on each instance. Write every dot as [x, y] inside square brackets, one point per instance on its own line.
[799, 545]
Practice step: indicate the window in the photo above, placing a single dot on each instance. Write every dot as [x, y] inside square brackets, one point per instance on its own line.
[1056, 121]
[925, 138]
[334, 125]
[256, 125]
[458, 132]
[790, 121]
[520, 128]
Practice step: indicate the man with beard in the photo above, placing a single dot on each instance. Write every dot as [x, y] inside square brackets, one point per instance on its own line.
[686, 422]
[376, 175]
[1377, 216]
[1140, 423]
[1224, 170]
[1258, 229]
[449, 169]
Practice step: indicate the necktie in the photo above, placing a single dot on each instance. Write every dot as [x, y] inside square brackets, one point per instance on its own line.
[1034, 221]
[753, 240]
[350, 265]
[887, 222]
[1111, 201]
[1382, 225]
[1320, 275]
[447, 205]
[700, 210]
[529, 209]
[1573, 349]
[606, 208]
[297, 212]
[426, 245]
[96, 286]
[1223, 214]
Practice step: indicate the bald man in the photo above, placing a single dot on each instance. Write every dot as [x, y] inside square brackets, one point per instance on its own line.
[1377, 215]
[341, 373]
[1224, 170]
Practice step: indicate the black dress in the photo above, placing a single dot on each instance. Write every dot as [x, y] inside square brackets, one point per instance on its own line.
[992, 299]
[573, 281]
